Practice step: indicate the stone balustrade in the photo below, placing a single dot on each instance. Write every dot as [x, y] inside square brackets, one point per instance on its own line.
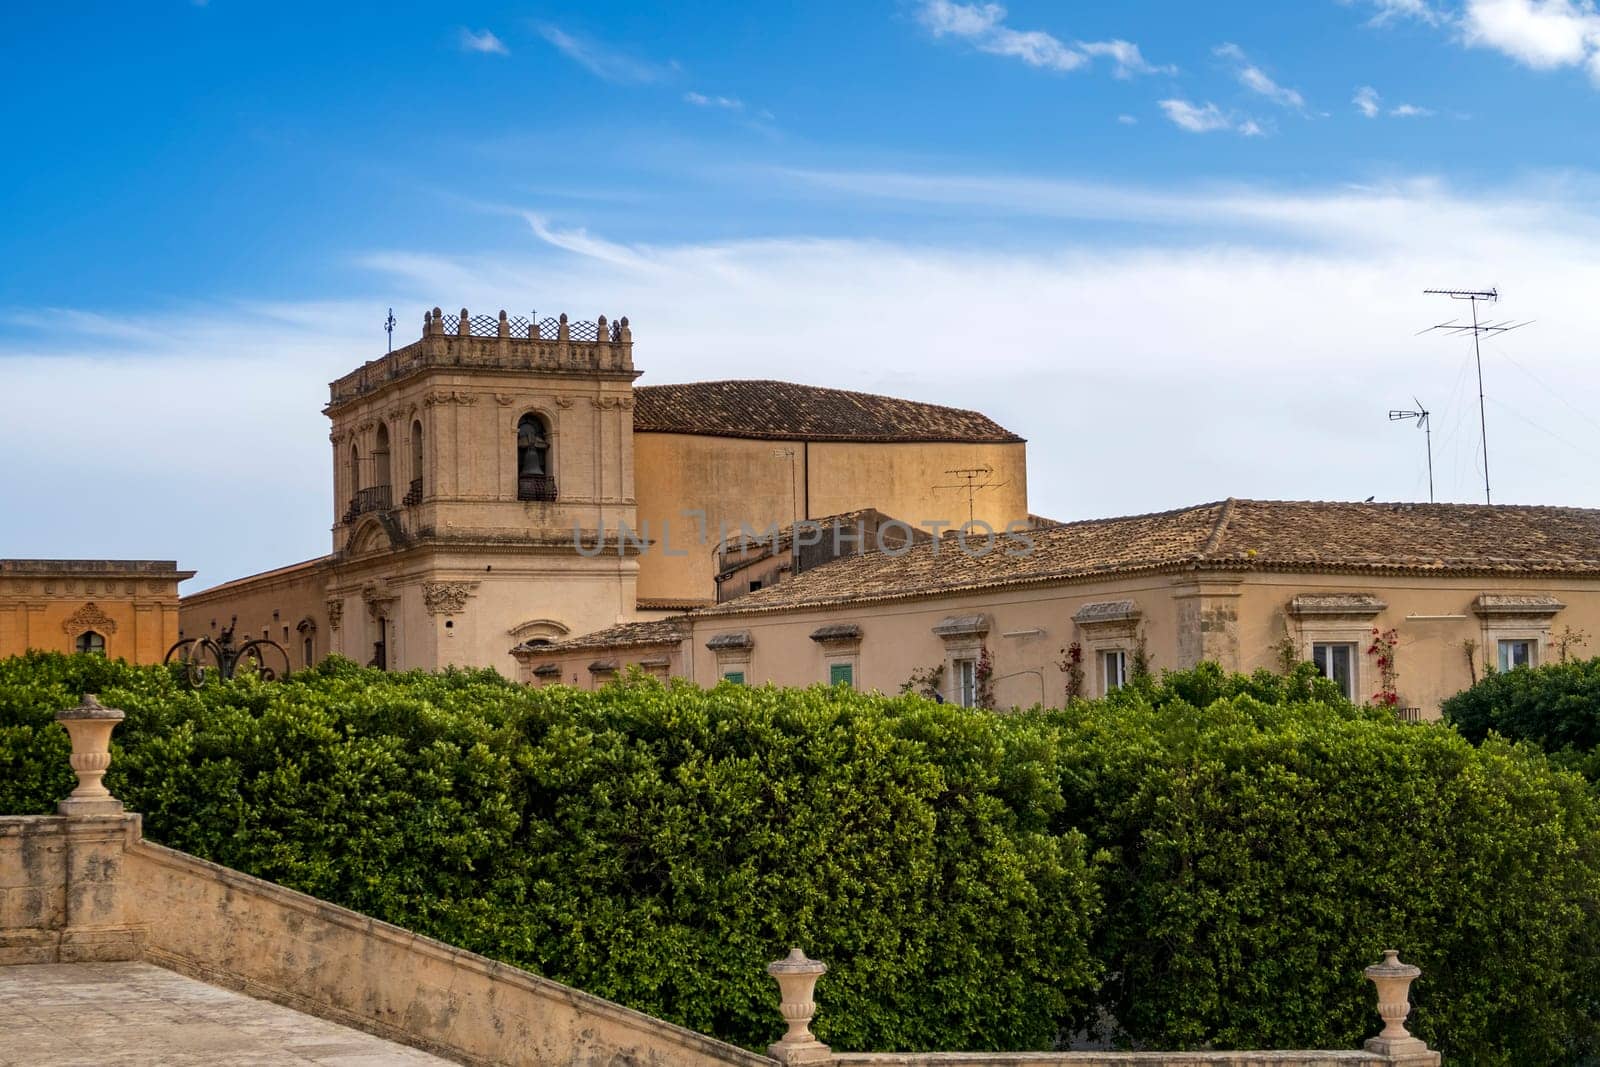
[500, 342]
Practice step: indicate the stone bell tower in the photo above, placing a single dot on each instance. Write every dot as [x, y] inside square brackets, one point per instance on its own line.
[469, 468]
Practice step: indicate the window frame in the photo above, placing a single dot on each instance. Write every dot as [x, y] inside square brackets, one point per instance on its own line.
[88, 648]
[1502, 644]
[1353, 667]
[964, 680]
[734, 677]
[842, 672]
[1106, 657]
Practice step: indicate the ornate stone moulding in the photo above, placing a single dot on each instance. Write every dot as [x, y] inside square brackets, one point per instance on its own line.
[731, 640]
[1364, 606]
[89, 617]
[1515, 605]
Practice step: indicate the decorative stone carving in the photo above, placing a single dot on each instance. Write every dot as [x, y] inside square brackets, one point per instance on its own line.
[797, 981]
[1362, 606]
[89, 725]
[335, 613]
[446, 598]
[452, 396]
[564, 401]
[505, 400]
[89, 617]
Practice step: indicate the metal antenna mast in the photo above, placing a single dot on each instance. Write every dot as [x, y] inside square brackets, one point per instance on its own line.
[388, 328]
[1421, 415]
[1477, 330]
[973, 480]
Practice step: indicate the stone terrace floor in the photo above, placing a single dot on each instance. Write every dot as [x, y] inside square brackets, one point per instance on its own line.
[136, 1015]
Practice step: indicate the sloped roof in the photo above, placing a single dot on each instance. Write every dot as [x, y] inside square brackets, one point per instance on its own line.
[1455, 539]
[770, 410]
[623, 635]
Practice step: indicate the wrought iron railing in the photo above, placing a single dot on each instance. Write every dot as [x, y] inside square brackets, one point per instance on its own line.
[536, 487]
[414, 494]
[547, 329]
[372, 498]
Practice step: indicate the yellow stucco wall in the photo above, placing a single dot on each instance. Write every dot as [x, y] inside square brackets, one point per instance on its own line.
[46, 604]
[735, 480]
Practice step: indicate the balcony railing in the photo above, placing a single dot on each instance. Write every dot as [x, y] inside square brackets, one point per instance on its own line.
[414, 494]
[536, 487]
[372, 498]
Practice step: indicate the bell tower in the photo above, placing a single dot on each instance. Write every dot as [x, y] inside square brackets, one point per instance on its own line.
[469, 467]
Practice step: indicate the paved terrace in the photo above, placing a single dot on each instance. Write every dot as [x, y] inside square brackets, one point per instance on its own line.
[136, 1015]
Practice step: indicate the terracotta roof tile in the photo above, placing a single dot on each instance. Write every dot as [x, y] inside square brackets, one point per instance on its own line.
[623, 635]
[1233, 534]
[770, 410]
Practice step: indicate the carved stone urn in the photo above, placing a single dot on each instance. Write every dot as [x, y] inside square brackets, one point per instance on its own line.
[797, 980]
[89, 725]
[1393, 980]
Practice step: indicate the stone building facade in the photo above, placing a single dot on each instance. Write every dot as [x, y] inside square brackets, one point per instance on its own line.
[1244, 583]
[502, 482]
[124, 609]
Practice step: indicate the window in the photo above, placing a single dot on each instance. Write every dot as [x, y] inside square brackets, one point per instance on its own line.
[380, 457]
[1113, 669]
[1338, 662]
[1518, 653]
[414, 495]
[535, 478]
[736, 677]
[92, 643]
[355, 469]
[841, 674]
[966, 679]
[308, 648]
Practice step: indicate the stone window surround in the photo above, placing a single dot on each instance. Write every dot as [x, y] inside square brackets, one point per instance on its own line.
[1515, 617]
[841, 644]
[1106, 626]
[1340, 619]
[963, 637]
[733, 650]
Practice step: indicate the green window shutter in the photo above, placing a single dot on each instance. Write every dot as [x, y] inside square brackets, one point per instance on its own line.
[736, 677]
[841, 674]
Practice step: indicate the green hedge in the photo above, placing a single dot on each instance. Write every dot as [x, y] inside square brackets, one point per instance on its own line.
[1208, 861]
[1557, 706]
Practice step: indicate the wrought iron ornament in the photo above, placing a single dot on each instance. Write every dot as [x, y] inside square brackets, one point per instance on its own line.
[203, 656]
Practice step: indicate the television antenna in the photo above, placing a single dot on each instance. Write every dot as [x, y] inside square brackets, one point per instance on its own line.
[1477, 330]
[388, 328]
[972, 480]
[1421, 415]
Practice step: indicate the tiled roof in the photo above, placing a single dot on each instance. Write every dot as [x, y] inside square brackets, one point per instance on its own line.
[770, 410]
[623, 635]
[1233, 534]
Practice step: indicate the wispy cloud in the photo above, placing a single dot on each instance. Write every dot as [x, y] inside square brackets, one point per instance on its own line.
[602, 62]
[1207, 118]
[1410, 111]
[1385, 11]
[482, 41]
[1366, 101]
[1127, 120]
[983, 26]
[1257, 80]
[727, 103]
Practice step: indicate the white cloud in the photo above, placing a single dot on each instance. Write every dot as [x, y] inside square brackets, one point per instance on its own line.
[483, 41]
[1207, 118]
[727, 103]
[1542, 34]
[1127, 120]
[1366, 101]
[1410, 111]
[1257, 80]
[602, 62]
[1077, 339]
[982, 25]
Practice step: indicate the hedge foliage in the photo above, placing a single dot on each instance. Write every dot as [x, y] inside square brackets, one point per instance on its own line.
[1556, 707]
[1210, 860]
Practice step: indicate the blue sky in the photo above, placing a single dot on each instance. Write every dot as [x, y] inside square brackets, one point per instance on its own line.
[1179, 247]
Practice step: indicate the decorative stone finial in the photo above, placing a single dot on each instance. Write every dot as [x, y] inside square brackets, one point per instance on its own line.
[562, 333]
[505, 327]
[1393, 980]
[797, 979]
[463, 326]
[90, 725]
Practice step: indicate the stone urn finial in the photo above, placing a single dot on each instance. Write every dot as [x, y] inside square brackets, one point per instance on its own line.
[1393, 980]
[90, 725]
[797, 979]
